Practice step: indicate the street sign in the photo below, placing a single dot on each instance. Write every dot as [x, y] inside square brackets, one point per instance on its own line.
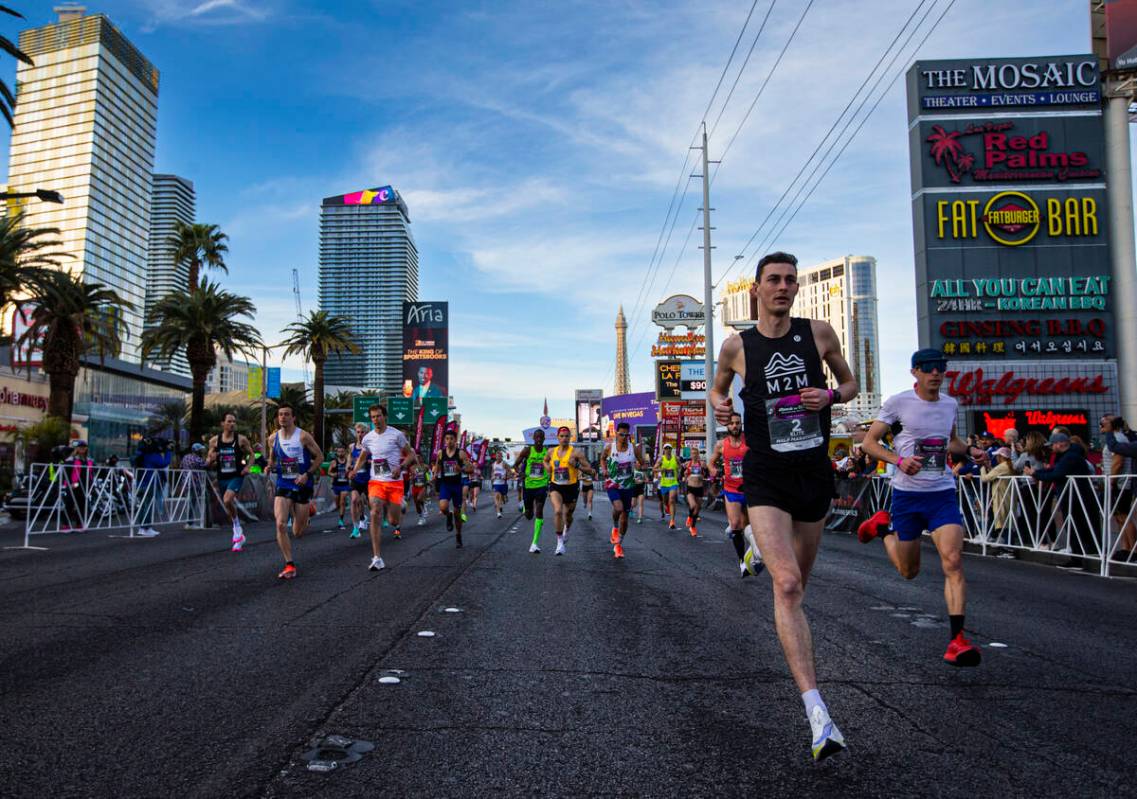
[359, 406]
[433, 408]
[399, 411]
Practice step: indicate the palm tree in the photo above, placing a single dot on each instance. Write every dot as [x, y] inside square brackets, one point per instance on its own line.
[8, 103]
[169, 415]
[24, 255]
[198, 245]
[296, 395]
[316, 337]
[248, 419]
[203, 322]
[72, 319]
[338, 427]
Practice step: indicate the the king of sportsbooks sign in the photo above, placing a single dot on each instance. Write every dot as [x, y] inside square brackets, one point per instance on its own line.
[1009, 208]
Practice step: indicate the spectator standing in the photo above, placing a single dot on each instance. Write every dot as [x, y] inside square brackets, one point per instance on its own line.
[152, 460]
[1000, 491]
[77, 472]
[194, 461]
[1033, 453]
[1120, 448]
[1070, 462]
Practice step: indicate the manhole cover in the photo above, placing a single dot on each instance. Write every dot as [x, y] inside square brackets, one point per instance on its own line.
[334, 751]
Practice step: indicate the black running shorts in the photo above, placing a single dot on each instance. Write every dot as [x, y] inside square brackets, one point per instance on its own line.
[568, 493]
[299, 494]
[803, 491]
[695, 491]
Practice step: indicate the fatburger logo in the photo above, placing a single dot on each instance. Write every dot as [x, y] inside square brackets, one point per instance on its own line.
[1011, 218]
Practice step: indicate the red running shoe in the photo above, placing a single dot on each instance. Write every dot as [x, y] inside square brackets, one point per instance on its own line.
[870, 528]
[961, 652]
[288, 572]
[618, 551]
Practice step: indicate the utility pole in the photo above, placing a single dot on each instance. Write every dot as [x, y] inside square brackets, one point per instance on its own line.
[1123, 253]
[708, 298]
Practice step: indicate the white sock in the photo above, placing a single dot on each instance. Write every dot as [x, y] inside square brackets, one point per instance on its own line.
[812, 699]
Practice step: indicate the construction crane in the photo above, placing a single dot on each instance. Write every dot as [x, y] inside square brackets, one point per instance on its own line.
[300, 316]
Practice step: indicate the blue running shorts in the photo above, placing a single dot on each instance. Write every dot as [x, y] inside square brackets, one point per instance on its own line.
[913, 512]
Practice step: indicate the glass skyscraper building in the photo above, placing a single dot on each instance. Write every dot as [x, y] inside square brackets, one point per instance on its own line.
[172, 200]
[86, 123]
[368, 268]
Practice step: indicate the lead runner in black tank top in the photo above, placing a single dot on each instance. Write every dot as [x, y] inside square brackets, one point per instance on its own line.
[786, 476]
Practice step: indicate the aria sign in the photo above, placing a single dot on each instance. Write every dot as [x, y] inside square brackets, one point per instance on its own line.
[679, 310]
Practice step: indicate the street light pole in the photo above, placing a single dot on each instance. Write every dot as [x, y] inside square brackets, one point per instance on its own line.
[708, 299]
[45, 195]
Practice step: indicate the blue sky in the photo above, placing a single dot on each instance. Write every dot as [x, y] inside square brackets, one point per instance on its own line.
[537, 145]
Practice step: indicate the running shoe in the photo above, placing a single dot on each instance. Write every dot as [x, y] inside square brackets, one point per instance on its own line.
[618, 551]
[421, 521]
[870, 528]
[560, 547]
[520, 507]
[615, 537]
[385, 525]
[465, 518]
[694, 530]
[688, 522]
[288, 572]
[238, 543]
[827, 739]
[742, 569]
[398, 534]
[341, 525]
[961, 652]
[671, 526]
[355, 532]
[752, 559]
[377, 564]
[458, 541]
[237, 529]
[499, 514]
[590, 514]
[639, 520]
[449, 522]
[534, 549]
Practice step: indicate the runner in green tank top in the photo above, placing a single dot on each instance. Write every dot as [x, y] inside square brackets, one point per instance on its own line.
[667, 467]
[531, 463]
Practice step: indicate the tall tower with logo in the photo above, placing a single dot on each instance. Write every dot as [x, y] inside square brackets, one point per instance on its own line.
[623, 385]
[368, 269]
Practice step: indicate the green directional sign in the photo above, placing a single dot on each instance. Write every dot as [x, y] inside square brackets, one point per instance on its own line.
[433, 408]
[399, 411]
[359, 406]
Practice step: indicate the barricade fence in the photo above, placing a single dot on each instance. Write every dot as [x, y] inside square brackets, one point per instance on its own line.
[65, 498]
[1091, 519]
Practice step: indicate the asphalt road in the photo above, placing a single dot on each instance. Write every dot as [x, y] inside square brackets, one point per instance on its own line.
[173, 667]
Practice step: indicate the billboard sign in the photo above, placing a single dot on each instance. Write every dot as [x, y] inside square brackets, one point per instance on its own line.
[991, 85]
[635, 409]
[1121, 34]
[426, 365]
[667, 380]
[587, 403]
[679, 310]
[693, 380]
[1010, 215]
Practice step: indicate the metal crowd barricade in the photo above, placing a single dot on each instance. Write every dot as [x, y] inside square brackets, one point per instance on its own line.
[64, 498]
[1090, 518]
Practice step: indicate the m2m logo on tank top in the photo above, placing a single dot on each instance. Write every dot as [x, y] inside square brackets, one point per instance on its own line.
[785, 373]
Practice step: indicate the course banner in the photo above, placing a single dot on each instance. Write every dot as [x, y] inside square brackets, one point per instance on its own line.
[426, 365]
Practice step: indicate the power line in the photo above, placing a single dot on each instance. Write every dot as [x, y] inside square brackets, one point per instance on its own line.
[825, 138]
[742, 69]
[864, 119]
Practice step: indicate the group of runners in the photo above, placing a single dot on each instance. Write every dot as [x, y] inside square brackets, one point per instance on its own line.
[777, 477]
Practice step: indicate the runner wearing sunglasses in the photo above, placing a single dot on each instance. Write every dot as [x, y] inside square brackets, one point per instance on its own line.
[923, 489]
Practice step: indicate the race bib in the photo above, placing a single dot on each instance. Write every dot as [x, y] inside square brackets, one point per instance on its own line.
[420, 479]
[561, 474]
[341, 472]
[696, 471]
[450, 468]
[228, 462]
[639, 477]
[668, 474]
[624, 469]
[933, 450]
[380, 468]
[736, 468]
[290, 468]
[792, 427]
[536, 469]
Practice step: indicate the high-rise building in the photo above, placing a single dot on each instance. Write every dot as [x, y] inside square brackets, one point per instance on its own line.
[841, 292]
[623, 384]
[368, 268]
[228, 375]
[85, 126]
[171, 201]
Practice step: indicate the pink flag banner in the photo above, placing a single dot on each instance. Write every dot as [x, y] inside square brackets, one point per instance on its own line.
[485, 448]
[418, 430]
[439, 430]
